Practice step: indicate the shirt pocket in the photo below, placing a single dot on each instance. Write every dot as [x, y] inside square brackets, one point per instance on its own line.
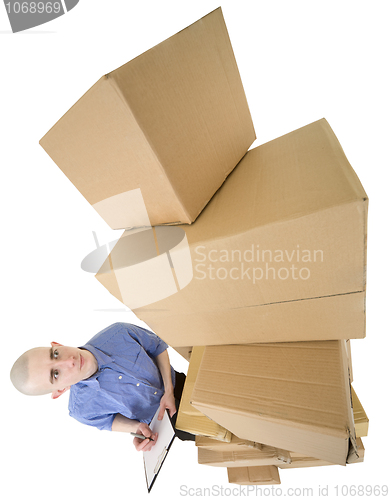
[127, 355]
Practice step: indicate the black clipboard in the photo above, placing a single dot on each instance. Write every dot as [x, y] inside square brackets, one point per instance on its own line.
[154, 459]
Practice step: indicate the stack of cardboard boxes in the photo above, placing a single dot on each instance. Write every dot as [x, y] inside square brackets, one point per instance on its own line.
[251, 264]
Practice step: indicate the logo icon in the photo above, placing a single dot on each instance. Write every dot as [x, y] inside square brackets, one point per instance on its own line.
[26, 14]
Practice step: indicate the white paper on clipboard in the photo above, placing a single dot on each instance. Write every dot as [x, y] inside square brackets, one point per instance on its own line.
[154, 458]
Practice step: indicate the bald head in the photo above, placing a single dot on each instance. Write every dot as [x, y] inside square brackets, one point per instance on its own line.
[20, 374]
[54, 369]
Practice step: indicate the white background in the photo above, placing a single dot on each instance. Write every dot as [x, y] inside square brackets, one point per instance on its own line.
[299, 61]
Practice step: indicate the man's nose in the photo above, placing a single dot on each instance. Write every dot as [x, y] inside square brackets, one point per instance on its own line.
[68, 362]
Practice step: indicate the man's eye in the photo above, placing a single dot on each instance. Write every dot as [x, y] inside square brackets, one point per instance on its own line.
[55, 374]
[55, 353]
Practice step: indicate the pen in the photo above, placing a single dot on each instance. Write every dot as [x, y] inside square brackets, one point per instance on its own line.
[141, 436]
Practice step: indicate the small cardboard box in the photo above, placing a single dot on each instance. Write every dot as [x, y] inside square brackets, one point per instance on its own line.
[235, 444]
[221, 456]
[293, 396]
[303, 461]
[359, 416]
[192, 372]
[190, 419]
[202, 425]
[279, 253]
[267, 455]
[262, 475]
[173, 123]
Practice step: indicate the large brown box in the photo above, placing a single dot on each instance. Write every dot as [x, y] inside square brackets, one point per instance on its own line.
[172, 124]
[279, 253]
[293, 396]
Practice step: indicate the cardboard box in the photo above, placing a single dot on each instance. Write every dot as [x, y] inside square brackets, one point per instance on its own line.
[235, 444]
[172, 123]
[359, 416]
[263, 475]
[267, 455]
[303, 461]
[292, 215]
[293, 396]
[254, 475]
[192, 372]
[202, 425]
[190, 419]
[290, 458]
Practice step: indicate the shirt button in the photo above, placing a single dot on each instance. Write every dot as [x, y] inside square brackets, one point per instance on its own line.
[155, 392]
[137, 384]
[120, 376]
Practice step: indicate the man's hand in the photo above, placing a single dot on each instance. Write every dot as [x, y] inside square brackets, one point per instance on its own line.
[167, 402]
[144, 444]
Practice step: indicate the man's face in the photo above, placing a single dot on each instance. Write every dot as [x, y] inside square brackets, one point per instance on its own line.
[54, 369]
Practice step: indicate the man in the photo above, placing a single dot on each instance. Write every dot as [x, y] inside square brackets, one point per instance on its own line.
[117, 381]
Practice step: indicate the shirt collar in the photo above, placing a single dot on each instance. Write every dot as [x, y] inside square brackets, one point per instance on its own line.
[102, 358]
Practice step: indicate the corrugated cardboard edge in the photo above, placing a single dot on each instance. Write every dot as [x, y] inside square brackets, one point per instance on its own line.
[353, 454]
[269, 314]
[349, 350]
[360, 416]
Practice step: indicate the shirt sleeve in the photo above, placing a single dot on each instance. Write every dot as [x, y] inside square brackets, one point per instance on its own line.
[90, 408]
[101, 422]
[152, 344]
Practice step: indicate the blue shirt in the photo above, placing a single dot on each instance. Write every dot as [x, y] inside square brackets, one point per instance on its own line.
[127, 381]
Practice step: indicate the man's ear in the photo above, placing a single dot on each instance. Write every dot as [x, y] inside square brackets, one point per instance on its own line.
[56, 394]
[54, 343]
